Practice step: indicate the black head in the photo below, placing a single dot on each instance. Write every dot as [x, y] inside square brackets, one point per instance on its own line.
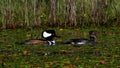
[53, 33]
[92, 35]
[49, 34]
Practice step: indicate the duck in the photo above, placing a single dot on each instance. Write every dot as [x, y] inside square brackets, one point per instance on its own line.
[48, 38]
[49, 35]
[81, 41]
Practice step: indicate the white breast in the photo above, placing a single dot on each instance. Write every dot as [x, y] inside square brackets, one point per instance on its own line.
[51, 42]
[81, 43]
[77, 43]
[45, 34]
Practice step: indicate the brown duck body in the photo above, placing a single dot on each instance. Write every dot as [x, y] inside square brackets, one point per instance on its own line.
[34, 42]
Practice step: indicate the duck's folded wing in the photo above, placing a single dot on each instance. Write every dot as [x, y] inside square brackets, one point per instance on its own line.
[76, 41]
[34, 41]
[79, 41]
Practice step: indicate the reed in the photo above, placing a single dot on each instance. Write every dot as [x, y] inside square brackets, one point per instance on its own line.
[62, 13]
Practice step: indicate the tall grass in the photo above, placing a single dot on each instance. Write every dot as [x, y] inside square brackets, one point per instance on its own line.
[59, 13]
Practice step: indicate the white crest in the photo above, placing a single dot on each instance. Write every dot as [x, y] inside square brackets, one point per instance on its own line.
[45, 34]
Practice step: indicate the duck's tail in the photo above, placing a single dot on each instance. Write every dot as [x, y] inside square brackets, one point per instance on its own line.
[23, 42]
[19, 43]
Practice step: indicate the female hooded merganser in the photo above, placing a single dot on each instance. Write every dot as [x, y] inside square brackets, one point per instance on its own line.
[83, 40]
[48, 36]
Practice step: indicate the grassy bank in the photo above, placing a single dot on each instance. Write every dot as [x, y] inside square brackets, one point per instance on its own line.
[103, 55]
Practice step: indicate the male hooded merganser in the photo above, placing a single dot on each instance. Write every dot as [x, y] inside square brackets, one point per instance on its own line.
[48, 36]
[83, 40]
